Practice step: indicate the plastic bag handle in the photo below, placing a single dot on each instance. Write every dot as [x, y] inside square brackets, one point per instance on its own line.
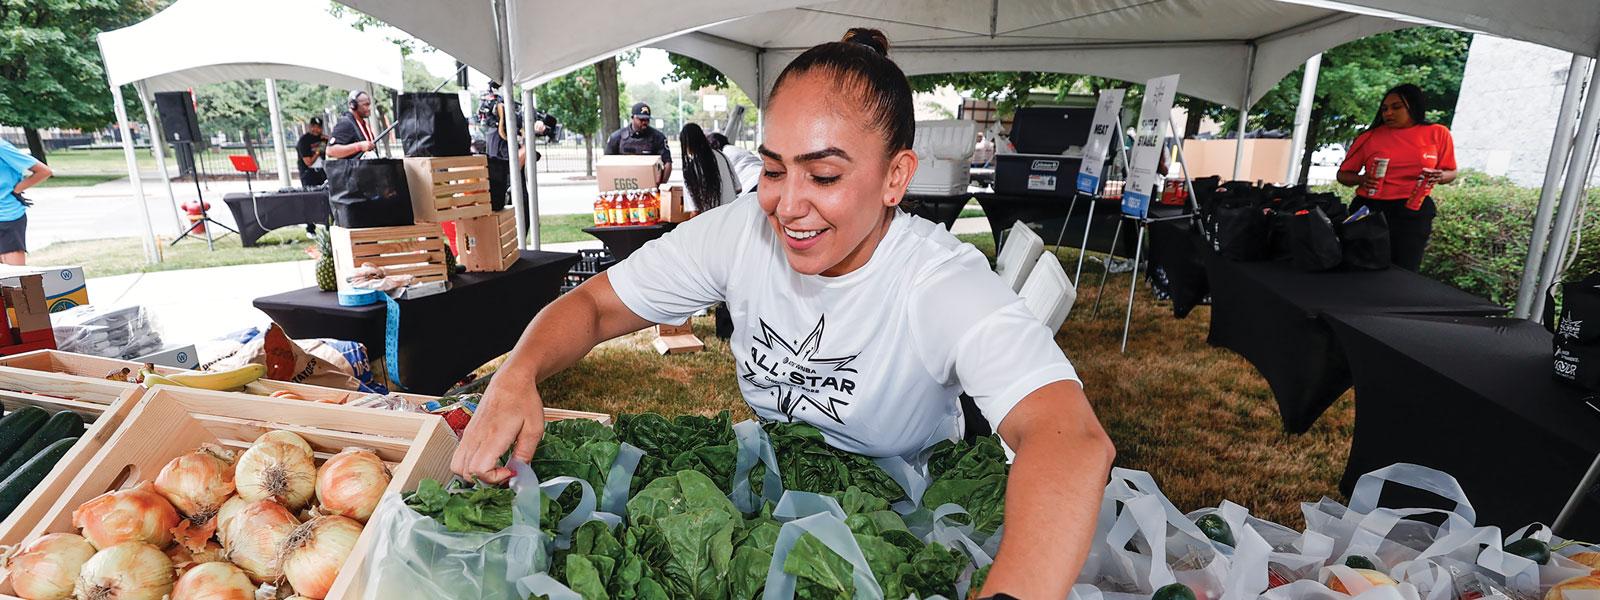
[619, 479]
[957, 537]
[1247, 571]
[834, 534]
[542, 584]
[796, 505]
[526, 510]
[1145, 515]
[753, 446]
[580, 515]
[912, 480]
[1364, 499]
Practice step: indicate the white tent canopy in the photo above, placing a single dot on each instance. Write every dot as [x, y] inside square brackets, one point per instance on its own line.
[196, 42]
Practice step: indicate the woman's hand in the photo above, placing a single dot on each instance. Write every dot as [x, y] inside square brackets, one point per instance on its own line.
[1433, 176]
[511, 415]
[1370, 180]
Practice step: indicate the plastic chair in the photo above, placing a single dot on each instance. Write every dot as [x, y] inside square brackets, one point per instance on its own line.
[1048, 292]
[1018, 253]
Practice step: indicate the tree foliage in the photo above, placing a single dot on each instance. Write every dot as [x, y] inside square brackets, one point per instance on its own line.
[698, 74]
[574, 100]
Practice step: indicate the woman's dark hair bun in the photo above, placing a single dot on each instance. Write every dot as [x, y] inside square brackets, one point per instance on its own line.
[870, 38]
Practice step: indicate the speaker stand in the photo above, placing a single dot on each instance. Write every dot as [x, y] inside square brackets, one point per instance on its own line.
[205, 221]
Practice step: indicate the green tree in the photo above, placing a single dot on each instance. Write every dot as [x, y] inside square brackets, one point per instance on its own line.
[698, 74]
[571, 98]
[51, 74]
[415, 77]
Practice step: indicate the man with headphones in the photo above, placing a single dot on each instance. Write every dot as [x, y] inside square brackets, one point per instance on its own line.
[353, 136]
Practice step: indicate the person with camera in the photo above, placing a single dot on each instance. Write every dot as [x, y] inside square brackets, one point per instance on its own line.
[353, 136]
[641, 139]
[492, 115]
[18, 171]
[312, 149]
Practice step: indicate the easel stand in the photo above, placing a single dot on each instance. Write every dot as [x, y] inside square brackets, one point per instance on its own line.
[205, 221]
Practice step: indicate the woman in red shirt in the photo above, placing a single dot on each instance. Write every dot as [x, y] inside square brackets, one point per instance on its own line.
[1419, 154]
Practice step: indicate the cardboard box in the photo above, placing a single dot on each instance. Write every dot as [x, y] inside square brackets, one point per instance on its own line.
[181, 357]
[64, 287]
[672, 210]
[25, 305]
[677, 339]
[622, 172]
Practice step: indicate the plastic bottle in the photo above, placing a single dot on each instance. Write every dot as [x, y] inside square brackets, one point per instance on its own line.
[653, 207]
[602, 213]
[619, 216]
[635, 209]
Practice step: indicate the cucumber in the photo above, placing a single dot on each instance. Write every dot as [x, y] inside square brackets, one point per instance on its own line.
[1175, 591]
[21, 483]
[17, 427]
[64, 424]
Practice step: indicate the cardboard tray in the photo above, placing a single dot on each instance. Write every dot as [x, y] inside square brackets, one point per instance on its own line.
[103, 406]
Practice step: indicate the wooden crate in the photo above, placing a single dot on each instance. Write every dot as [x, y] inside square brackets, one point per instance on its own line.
[416, 250]
[103, 405]
[95, 367]
[488, 243]
[448, 188]
[168, 422]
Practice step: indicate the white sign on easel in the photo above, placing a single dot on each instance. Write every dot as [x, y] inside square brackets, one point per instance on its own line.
[1148, 142]
[1106, 113]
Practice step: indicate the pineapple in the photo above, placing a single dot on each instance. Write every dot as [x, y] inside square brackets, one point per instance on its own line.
[450, 265]
[326, 280]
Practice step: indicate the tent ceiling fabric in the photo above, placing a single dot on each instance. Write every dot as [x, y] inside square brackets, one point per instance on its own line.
[195, 42]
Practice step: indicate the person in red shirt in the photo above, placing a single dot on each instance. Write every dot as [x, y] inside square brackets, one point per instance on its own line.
[1419, 153]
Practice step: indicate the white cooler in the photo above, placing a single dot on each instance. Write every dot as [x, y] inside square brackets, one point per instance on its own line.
[944, 156]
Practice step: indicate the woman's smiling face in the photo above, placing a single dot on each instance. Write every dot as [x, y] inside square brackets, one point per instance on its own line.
[827, 186]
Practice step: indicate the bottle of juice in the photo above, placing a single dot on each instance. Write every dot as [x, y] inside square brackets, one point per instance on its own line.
[619, 216]
[652, 207]
[602, 214]
[635, 209]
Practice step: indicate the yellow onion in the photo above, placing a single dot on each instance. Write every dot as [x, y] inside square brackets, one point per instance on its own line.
[285, 437]
[138, 514]
[256, 535]
[184, 557]
[351, 483]
[126, 571]
[316, 551]
[224, 513]
[45, 568]
[277, 471]
[197, 483]
[214, 581]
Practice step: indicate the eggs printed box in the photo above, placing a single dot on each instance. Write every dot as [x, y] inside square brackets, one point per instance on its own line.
[64, 287]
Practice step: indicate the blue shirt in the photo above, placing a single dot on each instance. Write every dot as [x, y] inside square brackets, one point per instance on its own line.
[14, 166]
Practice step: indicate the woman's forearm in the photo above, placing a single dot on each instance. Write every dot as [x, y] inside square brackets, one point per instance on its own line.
[1053, 494]
[37, 174]
[1348, 178]
[1448, 176]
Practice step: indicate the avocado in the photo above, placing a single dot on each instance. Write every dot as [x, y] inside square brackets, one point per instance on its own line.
[1357, 561]
[1530, 549]
[1215, 528]
[1175, 591]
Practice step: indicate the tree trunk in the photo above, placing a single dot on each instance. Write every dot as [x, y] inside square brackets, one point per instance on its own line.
[1191, 126]
[1313, 139]
[35, 144]
[610, 96]
[588, 158]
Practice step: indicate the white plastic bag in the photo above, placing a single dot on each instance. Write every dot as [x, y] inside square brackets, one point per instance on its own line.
[414, 556]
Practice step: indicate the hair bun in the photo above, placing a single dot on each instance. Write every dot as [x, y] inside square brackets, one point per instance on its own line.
[870, 38]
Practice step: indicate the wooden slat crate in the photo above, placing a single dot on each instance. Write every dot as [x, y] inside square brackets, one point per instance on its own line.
[448, 188]
[102, 404]
[488, 243]
[95, 367]
[416, 250]
[168, 422]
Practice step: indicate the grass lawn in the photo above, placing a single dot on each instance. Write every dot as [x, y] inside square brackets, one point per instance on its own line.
[117, 256]
[1200, 419]
[556, 229]
[99, 161]
[59, 180]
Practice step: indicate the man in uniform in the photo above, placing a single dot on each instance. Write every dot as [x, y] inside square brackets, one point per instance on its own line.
[642, 139]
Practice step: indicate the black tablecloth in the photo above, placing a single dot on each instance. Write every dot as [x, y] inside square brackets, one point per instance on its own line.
[939, 209]
[622, 240]
[277, 209]
[442, 337]
[1045, 213]
[1271, 314]
[1474, 397]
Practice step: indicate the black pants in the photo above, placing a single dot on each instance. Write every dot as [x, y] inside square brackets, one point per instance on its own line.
[1409, 230]
[311, 178]
[499, 182]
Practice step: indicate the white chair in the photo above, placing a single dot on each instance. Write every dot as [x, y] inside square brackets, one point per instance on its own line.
[1018, 253]
[1048, 292]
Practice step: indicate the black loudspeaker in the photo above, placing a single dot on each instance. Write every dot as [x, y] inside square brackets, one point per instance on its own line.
[178, 121]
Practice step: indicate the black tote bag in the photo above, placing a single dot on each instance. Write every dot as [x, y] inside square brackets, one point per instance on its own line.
[1366, 243]
[1313, 244]
[369, 193]
[432, 124]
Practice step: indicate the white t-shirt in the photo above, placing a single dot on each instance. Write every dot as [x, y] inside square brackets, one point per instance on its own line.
[746, 165]
[874, 358]
[730, 185]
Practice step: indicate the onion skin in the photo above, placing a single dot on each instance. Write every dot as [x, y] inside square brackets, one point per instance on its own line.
[185, 558]
[196, 483]
[315, 553]
[277, 471]
[227, 511]
[214, 581]
[138, 514]
[256, 536]
[285, 437]
[351, 483]
[46, 568]
[126, 571]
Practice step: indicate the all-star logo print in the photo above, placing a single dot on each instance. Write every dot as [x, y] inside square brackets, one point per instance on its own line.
[796, 377]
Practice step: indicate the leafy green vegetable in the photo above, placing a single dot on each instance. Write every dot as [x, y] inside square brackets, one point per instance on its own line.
[807, 463]
[482, 509]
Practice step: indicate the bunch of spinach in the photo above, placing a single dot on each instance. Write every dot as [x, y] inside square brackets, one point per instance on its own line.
[971, 475]
[478, 509]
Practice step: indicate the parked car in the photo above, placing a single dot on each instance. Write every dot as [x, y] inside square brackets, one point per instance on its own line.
[1330, 155]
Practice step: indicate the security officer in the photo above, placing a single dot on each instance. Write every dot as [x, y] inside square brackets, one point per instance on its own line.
[640, 138]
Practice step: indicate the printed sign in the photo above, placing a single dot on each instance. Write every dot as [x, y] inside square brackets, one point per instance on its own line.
[1106, 114]
[1149, 137]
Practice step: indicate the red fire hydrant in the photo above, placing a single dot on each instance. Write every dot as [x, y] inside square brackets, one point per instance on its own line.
[195, 211]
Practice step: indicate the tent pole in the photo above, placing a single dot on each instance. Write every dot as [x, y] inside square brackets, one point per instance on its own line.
[151, 254]
[506, 23]
[531, 169]
[277, 132]
[1560, 149]
[1571, 199]
[157, 137]
[1244, 112]
[1302, 118]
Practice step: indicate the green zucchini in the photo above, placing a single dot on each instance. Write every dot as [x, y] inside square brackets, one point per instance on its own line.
[16, 487]
[17, 427]
[64, 424]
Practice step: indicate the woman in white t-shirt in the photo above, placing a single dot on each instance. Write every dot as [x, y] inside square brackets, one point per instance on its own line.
[849, 315]
[708, 179]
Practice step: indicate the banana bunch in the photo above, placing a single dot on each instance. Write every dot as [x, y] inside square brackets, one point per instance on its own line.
[233, 379]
